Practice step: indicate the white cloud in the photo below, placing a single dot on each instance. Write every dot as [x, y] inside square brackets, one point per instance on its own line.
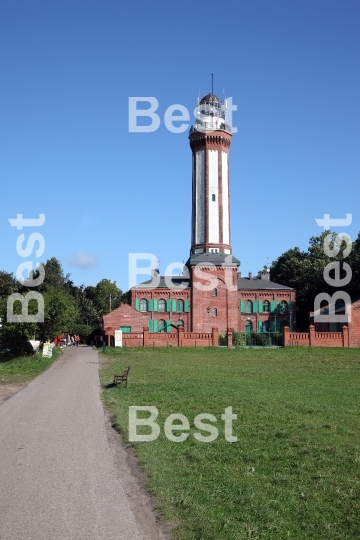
[83, 260]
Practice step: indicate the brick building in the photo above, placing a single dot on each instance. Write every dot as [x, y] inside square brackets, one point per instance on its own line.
[211, 293]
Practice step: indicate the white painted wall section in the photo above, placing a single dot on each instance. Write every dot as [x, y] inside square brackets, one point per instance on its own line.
[213, 190]
[200, 197]
[225, 197]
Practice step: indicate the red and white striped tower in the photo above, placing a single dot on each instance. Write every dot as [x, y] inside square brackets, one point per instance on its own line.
[210, 139]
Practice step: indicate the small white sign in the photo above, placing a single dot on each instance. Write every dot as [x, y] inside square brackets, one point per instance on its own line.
[47, 350]
[118, 338]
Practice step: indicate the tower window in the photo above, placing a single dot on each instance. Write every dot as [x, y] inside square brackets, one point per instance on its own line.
[213, 197]
[214, 312]
[214, 292]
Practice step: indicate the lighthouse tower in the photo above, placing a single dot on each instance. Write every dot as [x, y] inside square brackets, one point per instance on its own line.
[210, 139]
[213, 268]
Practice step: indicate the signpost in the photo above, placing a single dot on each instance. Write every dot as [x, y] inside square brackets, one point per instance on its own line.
[47, 350]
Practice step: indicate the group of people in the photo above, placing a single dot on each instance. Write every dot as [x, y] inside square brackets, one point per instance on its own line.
[70, 339]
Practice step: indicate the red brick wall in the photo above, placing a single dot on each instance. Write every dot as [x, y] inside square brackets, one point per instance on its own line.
[354, 325]
[262, 295]
[226, 301]
[316, 339]
[174, 339]
[124, 315]
[162, 294]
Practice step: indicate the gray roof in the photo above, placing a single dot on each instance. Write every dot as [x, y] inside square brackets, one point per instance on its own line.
[259, 284]
[213, 258]
[176, 280]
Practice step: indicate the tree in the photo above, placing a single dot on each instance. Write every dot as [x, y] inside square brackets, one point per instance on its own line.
[61, 313]
[304, 271]
[106, 296]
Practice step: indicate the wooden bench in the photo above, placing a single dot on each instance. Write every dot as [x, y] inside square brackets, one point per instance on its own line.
[122, 378]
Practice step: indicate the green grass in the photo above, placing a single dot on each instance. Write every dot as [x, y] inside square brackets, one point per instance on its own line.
[23, 368]
[294, 471]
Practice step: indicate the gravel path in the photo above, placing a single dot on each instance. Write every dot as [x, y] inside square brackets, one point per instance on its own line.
[58, 479]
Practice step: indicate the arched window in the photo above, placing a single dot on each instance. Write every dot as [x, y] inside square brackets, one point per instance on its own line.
[161, 325]
[180, 306]
[180, 323]
[266, 306]
[248, 306]
[143, 304]
[162, 305]
[283, 307]
[340, 307]
[213, 197]
[214, 292]
[214, 312]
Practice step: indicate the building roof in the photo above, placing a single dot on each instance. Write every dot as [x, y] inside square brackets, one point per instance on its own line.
[216, 259]
[209, 97]
[164, 283]
[251, 284]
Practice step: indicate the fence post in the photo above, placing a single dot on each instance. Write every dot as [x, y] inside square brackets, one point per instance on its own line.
[215, 337]
[286, 336]
[145, 336]
[311, 335]
[230, 338]
[345, 336]
[180, 334]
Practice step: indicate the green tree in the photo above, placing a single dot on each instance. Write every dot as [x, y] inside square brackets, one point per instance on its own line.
[15, 335]
[105, 294]
[303, 270]
[61, 313]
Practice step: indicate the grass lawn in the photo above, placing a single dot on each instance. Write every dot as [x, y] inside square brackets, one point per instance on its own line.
[23, 368]
[294, 471]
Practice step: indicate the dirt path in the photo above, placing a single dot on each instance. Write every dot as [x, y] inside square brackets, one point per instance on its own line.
[64, 472]
[7, 390]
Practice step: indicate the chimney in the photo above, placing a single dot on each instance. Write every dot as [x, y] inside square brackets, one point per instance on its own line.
[154, 272]
[250, 275]
[265, 274]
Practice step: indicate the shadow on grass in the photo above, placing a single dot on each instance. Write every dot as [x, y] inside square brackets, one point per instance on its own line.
[6, 356]
[110, 385]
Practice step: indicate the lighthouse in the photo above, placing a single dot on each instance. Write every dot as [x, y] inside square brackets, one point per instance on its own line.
[210, 139]
[213, 268]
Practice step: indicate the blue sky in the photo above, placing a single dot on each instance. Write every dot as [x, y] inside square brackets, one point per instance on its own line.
[67, 71]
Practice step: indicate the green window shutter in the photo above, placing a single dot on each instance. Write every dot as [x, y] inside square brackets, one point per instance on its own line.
[168, 325]
[155, 304]
[173, 306]
[186, 306]
[242, 306]
[151, 325]
[155, 325]
[137, 304]
[277, 306]
[260, 326]
[150, 305]
[260, 306]
[168, 306]
[272, 307]
[255, 306]
[125, 329]
[290, 306]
